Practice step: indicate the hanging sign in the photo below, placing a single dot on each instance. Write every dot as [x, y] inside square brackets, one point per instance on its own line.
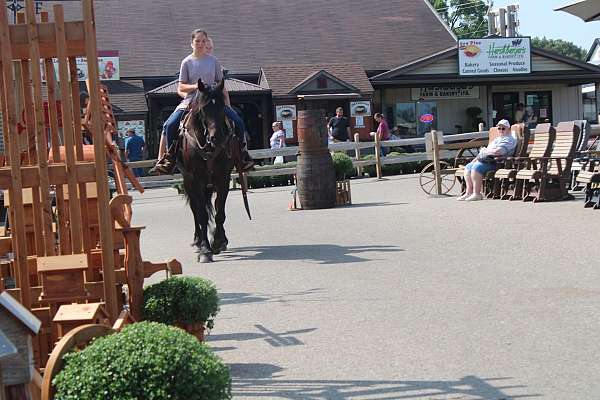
[360, 108]
[494, 56]
[108, 67]
[139, 126]
[445, 92]
[283, 113]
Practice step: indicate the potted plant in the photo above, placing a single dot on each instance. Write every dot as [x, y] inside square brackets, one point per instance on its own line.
[190, 303]
[145, 360]
[342, 164]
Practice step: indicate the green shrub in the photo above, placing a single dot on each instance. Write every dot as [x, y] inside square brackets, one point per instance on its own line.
[342, 164]
[147, 361]
[181, 299]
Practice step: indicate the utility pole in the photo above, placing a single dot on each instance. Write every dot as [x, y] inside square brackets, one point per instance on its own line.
[504, 21]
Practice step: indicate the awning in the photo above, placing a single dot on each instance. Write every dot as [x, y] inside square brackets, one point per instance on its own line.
[326, 96]
[587, 10]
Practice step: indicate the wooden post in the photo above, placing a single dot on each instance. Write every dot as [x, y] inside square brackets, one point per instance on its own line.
[105, 220]
[480, 127]
[16, 194]
[436, 162]
[40, 128]
[377, 156]
[359, 169]
[68, 130]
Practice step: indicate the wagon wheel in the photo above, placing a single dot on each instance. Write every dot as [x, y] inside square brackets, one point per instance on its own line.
[466, 154]
[77, 338]
[427, 178]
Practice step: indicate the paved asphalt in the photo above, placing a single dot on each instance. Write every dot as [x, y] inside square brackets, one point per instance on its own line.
[398, 296]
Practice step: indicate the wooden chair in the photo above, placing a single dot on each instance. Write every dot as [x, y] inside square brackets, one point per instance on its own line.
[502, 180]
[548, 178]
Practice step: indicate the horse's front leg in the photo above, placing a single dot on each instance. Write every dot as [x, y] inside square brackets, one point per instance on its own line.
[205, 252]
[220, 241]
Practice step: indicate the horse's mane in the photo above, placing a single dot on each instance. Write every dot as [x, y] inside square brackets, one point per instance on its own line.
[204, 99]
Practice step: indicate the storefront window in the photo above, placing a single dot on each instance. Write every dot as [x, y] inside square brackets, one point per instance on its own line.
[505, 106]
[538, 108]
[405, 121]
[589, 105]
[414, 119]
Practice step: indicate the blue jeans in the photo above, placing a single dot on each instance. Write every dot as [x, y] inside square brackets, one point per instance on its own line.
[171, 125]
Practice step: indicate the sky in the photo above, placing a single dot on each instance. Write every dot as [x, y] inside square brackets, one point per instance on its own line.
[538, 18]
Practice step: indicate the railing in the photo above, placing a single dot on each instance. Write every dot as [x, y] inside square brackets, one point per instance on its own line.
[359, 149]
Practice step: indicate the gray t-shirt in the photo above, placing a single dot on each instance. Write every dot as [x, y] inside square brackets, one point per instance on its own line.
[192, 69]
[507, 144]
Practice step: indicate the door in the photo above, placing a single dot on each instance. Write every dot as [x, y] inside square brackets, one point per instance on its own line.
[505, 106]
[538, 108]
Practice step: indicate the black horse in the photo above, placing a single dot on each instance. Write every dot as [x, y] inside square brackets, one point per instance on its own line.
[207, 153]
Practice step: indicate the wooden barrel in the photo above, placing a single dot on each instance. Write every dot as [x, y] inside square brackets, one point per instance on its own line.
[312, 131]
[314, 169]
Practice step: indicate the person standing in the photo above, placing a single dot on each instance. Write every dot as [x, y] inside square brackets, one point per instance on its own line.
[383, 131]
[277, 140]
[339, 126]
[134, 150]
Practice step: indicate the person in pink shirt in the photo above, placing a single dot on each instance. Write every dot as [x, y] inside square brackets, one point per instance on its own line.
[383, 130]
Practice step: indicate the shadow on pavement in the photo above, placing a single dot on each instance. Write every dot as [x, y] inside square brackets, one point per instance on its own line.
[321, 253]
[250, 298]
[467, 388]
[275, 339]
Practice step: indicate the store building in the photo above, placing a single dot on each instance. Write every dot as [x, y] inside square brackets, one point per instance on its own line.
[546, 87]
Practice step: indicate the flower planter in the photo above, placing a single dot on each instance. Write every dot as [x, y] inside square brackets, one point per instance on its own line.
[343, 195]
[196, 330]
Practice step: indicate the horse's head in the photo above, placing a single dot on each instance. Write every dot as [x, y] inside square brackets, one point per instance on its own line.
[208, 115]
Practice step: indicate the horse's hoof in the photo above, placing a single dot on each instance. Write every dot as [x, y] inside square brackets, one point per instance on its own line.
[219, 247]
[205, 258]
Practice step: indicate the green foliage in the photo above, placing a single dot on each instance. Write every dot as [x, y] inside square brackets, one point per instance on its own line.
[466, 18]
[147, 361]
[560, 46]
[342, 164]
[181, 299]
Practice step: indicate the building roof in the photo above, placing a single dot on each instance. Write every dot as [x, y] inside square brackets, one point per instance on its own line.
[232, 85]
[152, 37]
[20, 313]
[284, 80]
[126, 96]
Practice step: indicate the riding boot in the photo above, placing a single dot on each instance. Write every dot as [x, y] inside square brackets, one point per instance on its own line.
[166, 164]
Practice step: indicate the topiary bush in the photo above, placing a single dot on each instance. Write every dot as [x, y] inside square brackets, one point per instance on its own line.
[342, 164]
[147, 361]
[181, 300]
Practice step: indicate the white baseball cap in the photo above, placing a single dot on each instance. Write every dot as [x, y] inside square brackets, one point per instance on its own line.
[504, 122]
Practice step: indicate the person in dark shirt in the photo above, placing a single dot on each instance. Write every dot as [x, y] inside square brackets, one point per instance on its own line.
[339, 126]
[134, 150]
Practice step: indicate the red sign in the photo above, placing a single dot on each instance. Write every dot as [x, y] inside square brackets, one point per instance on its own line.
[426, 118]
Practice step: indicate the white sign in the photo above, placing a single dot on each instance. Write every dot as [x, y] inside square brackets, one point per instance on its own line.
[445, 92]
[288, 127]
[138, 125]
[495, 56]
[360, 108]
[359, 122]
[108, 69]
[283, 113]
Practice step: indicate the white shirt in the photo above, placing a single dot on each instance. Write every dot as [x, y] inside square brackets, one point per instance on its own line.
[277, 140]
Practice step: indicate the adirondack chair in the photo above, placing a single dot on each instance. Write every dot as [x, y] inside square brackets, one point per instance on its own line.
[588, 177]
[503, 186]
[547, 178]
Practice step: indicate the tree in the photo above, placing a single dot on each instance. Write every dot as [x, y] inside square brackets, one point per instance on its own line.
[466, 18]
[560, 46]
